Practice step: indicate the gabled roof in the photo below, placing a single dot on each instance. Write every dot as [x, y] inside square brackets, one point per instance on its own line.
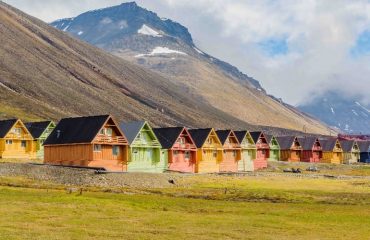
[364, 146]
[347, 145]
[286, 142]
[328, 144]
[37, 128]
[223, 135]
[168, 136]
[5, 126]
[307, 143]
[200, 136]
[255, 135]
[132, 129]
[268, 137]
[240, 135]
[77, 130]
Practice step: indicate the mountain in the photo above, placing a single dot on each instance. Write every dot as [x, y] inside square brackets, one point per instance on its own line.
[142, 37]
[344, 113]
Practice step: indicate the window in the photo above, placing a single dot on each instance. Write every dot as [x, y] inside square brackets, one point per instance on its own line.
[176, 153]
[108, 132]
[209, 140]
[97, 148]
[234, 153]
[23, 144]
[214, 154]
[115, 150]
[17, 131]
[181, 140]
[187, 155]
[9, 142]
[102, 131]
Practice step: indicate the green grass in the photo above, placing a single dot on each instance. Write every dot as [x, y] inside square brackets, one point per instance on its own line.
[251, 208]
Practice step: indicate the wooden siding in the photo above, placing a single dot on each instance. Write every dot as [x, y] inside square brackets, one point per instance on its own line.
[209, 156]
[40, 141]
[231, 154]
[261, 156]
[311, 156]
[246, 163]
[291, 155]
[146, 160]
[332, 157]
[18, 143]
[351, 157]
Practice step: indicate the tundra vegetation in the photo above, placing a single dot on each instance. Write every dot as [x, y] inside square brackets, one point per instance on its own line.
[263, 205]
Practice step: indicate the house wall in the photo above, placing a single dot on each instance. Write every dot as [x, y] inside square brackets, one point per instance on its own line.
[365, 157]
[332, 157]
[246, 162]
[178, 162]
[261, 156]
[230, 159]
[350, 157]
[311, 156]
[83, 155]
[208, 160]
[146, 160]
[39, 142]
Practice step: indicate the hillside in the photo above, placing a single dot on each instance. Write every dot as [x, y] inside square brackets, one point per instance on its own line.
[45, 73]
[141, 36]
[340, 111]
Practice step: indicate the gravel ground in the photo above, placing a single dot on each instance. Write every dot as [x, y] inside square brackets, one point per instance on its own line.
[87, 177]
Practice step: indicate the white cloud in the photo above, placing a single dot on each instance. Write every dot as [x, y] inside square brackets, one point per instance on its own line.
[319, 35]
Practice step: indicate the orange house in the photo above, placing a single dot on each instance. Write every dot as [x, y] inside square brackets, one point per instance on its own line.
[232, 151]
[290, 149]
[94, 141]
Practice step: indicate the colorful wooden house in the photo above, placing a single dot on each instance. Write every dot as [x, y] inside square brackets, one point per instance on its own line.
[311, 149]
[331, 151]
[351, 151]
[364, 147]
[15, 140]
[274, 154]
[209, 150]
[290, 148]
[40, 131]
[95, 141]
[263, 150]
[144, 153]
[232, 151]
[248, 151]
[181, 149]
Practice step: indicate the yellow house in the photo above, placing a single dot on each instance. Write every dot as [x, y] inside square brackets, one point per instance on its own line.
[332, 151]
[15, 140]
[209, 150]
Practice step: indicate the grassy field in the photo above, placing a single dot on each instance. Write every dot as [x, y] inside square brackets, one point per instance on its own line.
[205, 207]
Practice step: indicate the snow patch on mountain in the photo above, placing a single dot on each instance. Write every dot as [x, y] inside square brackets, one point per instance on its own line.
[332, 110]
[161, 50]
[66, 28]
[80, 33]
[196, 49]
[106, 20]
[145, 30]
[364, 108]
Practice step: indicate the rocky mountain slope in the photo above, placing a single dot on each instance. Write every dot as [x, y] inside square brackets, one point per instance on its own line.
[140, 36]
[341, 112]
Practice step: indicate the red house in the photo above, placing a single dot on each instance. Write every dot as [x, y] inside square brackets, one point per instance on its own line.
[263, 150]
[311, 149]
[181, 150]
[232, 151]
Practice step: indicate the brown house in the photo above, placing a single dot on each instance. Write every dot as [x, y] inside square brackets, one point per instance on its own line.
[290, 148]
[94, 141]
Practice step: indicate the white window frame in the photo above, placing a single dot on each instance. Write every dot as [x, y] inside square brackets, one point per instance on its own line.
[97, 147]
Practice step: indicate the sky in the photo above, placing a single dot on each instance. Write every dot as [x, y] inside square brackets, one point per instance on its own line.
[296, 49]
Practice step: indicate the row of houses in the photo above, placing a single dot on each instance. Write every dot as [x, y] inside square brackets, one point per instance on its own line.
[99, 141]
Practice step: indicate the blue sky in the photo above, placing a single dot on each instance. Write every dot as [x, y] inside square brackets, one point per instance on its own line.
[296, 49]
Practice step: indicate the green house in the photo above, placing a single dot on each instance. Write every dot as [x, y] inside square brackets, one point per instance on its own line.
[145, 151]
[40, 131]
[274, 148]
[248, 151]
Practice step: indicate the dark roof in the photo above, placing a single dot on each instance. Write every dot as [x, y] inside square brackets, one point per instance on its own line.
[168, 136]
[285, 142]
[347, 145]
[364, 146]
[222, 135]
[132, 129]
[240, 135]
[200, 135]
[307, 143]
[5, 126]
[76, 130]
[328, 144]
[37, 128]
[255, 135]
[268, 137]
